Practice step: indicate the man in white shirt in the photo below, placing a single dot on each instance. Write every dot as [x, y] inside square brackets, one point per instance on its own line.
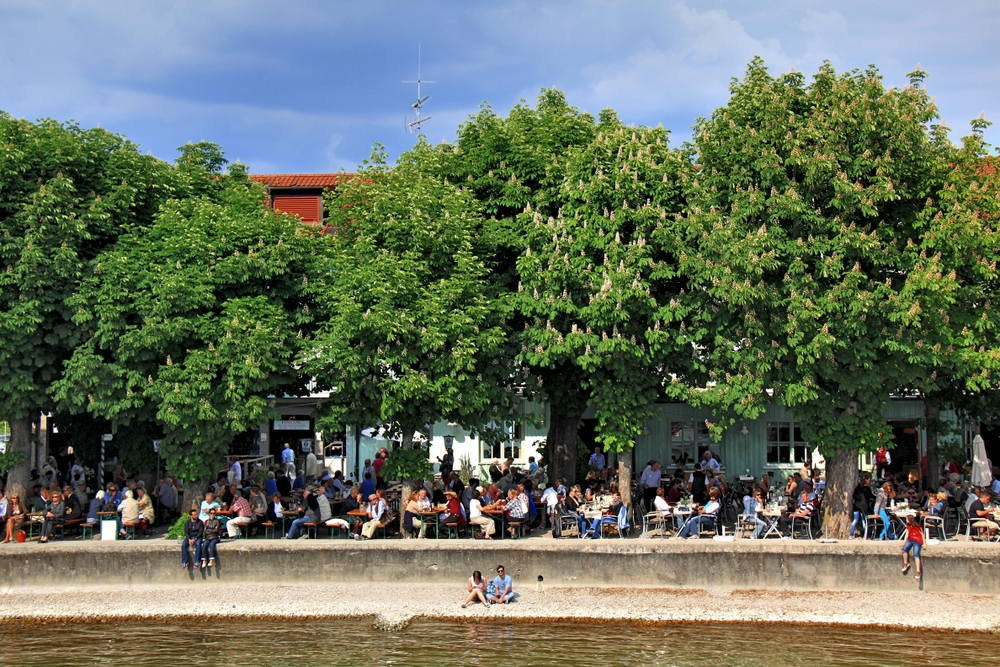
[550, 498]
[235, 472]
[376, 508]
[650, 482]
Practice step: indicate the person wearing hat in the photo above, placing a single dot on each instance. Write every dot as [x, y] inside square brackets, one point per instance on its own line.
[376, 509]
[452, 515]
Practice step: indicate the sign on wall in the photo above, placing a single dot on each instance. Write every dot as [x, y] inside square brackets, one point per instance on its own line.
[291, 424]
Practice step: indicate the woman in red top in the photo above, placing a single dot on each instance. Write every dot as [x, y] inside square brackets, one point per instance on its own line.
[914, 542]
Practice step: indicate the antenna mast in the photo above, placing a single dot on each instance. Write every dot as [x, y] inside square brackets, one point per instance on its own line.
[417, 122]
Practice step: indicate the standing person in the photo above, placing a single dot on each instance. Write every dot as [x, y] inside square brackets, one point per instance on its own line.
[312, 467]
[193, 529]
[883, 459]
[235, 475]
[477, 517]
[709, 462]
[501, 589]
[213, 532]
[477, 590]
[650, 481]
[914, 542]
[447, 464]
[379, 461]
[288, 460]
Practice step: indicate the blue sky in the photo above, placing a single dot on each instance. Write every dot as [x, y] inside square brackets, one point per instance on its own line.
[309, 86]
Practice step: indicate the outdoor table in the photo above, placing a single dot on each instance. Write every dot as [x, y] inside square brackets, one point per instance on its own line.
[430, 515]
[772, 516]
[287, 515]
[37, 517]
[493, 512]
[678, 513]
[900, 521]
[108, 517]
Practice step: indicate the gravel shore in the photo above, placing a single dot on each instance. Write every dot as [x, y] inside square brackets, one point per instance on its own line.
[392, 606]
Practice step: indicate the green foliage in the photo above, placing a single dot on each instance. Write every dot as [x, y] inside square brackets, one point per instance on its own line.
[10, 460]
[798, 231]
[600, 288]
[414, 331]
[176, 531]
[65, 194]
[407, 464]
[194, 320]
[466, 469]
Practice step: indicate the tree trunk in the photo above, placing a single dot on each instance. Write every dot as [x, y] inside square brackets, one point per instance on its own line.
[194, 493]
[407, 487]
[19, 477]
[561, 442]
[625, 477]
[841, 478]
[931, 414]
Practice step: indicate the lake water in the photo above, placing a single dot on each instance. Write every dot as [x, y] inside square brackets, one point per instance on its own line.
[232, 643]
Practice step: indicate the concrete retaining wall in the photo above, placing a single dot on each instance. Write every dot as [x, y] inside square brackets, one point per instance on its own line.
[956, 568]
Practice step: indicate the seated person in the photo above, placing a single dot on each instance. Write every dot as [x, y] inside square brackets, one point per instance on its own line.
[367, 486]
[73, 506]
[804, 511]
[274, 510]
[452, 516]
[308, 513]
[516, 512]
[753, 506]
[477, 590]
[129, 511]
[610, 517]
[981, 517]
[660, 503]
[193, 530]
[55, 515]
[207, 504]
[705, 517]
[270, 485]
[213, 533]
[676, 491]
[501, 589]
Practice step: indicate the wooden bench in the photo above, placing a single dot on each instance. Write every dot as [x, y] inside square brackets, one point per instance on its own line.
[70, 523]
[312, 529]
[87, 530]
[268, 529]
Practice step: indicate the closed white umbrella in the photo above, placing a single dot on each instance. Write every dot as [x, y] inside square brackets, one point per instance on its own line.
[982, 474]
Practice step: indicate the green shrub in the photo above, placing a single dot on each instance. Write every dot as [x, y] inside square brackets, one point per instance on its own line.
[177, 530]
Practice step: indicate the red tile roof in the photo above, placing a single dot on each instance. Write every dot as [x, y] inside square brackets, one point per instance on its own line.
[300, 180]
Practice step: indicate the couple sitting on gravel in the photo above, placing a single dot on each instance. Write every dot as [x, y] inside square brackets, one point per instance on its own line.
[498, 591]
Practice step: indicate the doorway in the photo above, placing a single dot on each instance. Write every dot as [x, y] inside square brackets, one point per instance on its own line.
[906, 453]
